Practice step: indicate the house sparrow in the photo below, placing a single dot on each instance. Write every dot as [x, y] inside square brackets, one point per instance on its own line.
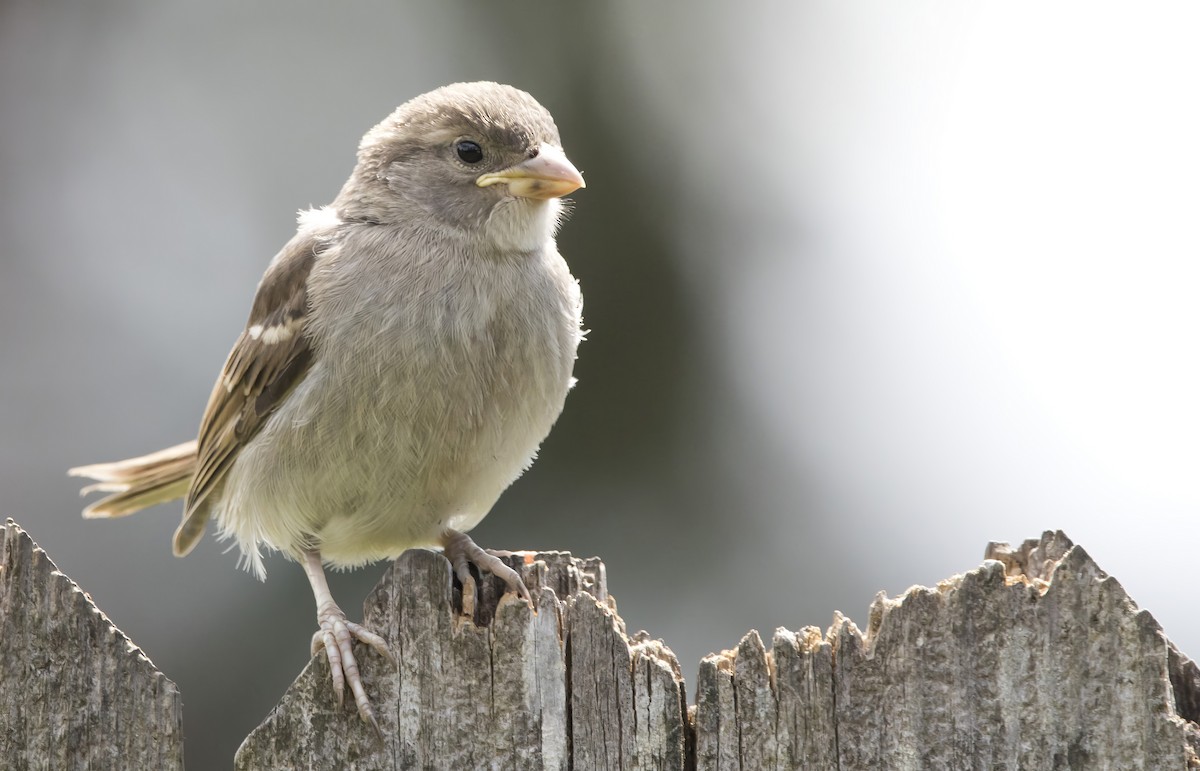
[406, 353]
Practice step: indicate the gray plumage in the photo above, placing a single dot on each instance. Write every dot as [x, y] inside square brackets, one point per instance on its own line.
[406, 353]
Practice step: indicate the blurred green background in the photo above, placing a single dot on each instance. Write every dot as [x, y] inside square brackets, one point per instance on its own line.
[868, 285]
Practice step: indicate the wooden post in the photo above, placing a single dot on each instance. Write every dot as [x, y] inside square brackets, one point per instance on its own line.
[75, 693]
[555, 688]
[1035, 660]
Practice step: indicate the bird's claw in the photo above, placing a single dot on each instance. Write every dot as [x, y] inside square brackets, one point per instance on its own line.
[336, 637]
[463, 552]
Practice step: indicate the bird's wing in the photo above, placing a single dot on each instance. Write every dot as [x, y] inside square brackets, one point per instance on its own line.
[270, 357]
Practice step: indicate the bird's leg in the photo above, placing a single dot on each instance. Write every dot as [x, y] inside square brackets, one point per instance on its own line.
[463, 552]
[336, 637]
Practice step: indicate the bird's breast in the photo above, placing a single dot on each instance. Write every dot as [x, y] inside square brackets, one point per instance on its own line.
[445, 367]
[433, 381]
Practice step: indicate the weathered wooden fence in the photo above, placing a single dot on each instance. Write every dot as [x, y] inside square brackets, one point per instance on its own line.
[1035, 660]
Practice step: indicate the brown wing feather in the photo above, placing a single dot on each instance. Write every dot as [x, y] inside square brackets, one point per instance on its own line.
[270, 357]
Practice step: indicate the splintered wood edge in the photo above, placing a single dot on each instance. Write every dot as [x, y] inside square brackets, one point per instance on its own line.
[740, 692]
[1033, 564]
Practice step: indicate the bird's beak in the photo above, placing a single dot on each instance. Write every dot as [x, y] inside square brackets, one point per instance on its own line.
[546, 175]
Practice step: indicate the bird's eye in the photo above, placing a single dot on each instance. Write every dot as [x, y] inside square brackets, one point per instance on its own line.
[469, 152]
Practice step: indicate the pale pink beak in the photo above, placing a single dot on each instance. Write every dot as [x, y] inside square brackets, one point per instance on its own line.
[546, 175]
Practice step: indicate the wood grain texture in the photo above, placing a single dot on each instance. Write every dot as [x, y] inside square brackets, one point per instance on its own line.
[1035, 660]
[76, 693]
[510, 688]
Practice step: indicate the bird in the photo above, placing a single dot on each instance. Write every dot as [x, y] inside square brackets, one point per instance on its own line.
[405, 355]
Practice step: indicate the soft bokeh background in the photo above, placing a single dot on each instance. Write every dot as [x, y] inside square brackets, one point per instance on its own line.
[869, 285]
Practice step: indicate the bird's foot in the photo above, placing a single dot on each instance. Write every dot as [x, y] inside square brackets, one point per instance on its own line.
[336, 637]
[463, 552]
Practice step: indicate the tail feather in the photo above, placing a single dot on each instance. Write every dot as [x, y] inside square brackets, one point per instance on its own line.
[138, 483]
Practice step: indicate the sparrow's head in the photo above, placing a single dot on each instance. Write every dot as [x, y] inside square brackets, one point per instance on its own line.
[481, 159]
